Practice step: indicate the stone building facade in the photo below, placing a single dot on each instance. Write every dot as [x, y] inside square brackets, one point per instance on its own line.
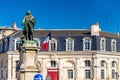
[88, 54]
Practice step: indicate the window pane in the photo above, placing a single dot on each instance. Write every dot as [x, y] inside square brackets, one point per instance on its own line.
[87, 63]
[102, 64]
[103, 45]
[87, 44]
[113, 74]
[113, 46]
[18, 42]
[70, 74]
[53, 63]
[87, 74]
[113, 64]
[102, 74]
[17, 65]
[53, 45]
[69, 44]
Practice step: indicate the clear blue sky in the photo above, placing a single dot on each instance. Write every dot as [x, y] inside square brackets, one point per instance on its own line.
[63, 14]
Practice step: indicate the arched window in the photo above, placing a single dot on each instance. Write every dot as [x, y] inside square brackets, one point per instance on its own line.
[113, 69]
[113, 45]
[103, 69]
[103, 64]
[69, 68]
[69, 44]
[53, 45]
[86, 43]
[102, 44]
[113, 64]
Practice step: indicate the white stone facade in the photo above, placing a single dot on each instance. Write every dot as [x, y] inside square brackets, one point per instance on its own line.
[65, 60]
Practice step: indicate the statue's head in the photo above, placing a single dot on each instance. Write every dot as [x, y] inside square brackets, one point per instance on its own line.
[28, 12]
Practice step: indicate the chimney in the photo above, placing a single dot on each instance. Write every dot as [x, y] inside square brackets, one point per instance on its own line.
[95, 29]
[14, 26]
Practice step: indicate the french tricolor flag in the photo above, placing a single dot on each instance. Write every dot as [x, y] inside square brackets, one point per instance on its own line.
[46, 42]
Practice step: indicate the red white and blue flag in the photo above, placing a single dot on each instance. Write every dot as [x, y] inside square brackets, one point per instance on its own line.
[46, 42]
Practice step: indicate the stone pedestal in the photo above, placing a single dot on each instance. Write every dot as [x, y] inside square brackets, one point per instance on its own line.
[28, 59]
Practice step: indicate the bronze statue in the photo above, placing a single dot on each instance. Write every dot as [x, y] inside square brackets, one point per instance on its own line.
[28, 22]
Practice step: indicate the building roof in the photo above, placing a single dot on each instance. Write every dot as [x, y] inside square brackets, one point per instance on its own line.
[55, 33]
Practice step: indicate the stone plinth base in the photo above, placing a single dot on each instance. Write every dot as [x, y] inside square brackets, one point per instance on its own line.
[28, 58]
[28, 74]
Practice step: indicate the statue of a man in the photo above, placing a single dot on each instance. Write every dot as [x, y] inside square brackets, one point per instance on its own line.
[28, 22]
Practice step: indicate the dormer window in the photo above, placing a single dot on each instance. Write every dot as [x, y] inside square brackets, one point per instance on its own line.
[17, 44]
[69, 44]
[86, 43]
[53, 45]
[1, 46]
[102, 44]
[113, 45]
[6, 45]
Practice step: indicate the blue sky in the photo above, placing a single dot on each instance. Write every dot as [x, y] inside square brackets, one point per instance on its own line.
[63, 14]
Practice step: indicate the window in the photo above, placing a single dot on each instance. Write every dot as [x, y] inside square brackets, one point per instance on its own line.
[1, 46]
[102, 74]
[113, 74]
[18, 42]
[1, 73]
[17, 65]
[87, 74]
[6, 44]
[87, 63]
[53, 45]
[113, 64]
[2, 63]
[102, 63]
[69, 44]
[53, 64]
[70, 74]
[113, 45]
[86, 43]
[103, 44]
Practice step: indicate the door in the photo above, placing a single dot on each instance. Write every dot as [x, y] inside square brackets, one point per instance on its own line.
[53, 73]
